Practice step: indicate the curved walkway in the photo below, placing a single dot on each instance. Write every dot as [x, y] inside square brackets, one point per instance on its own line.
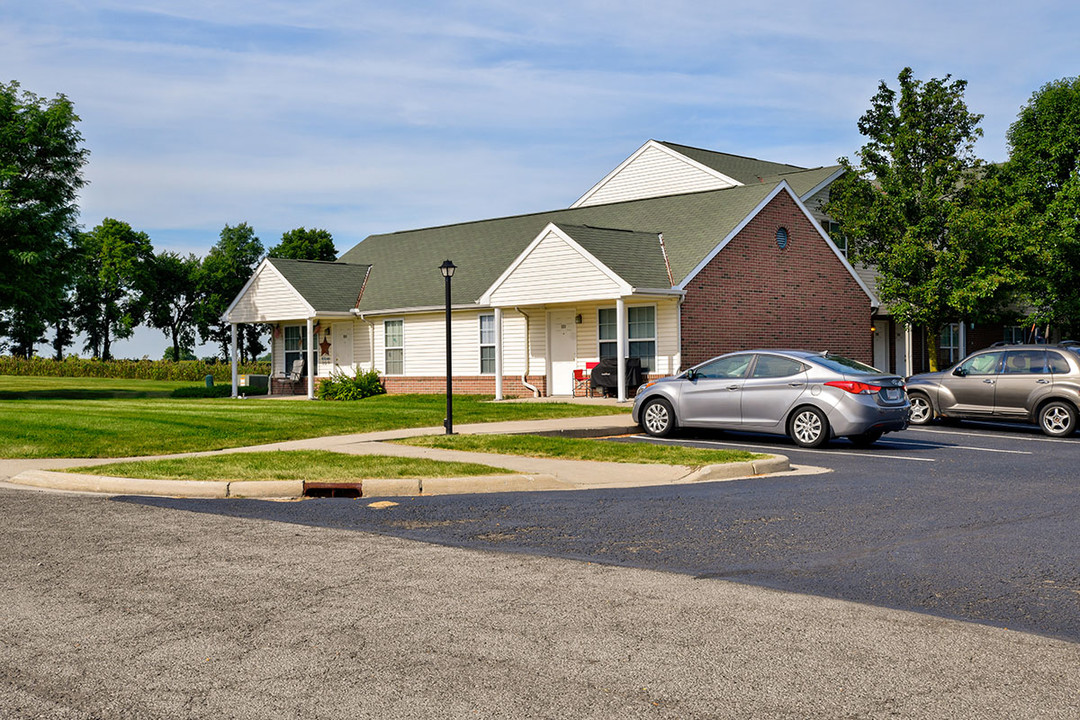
[528, 473]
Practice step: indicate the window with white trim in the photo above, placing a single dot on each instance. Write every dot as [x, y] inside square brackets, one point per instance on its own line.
[950, 344]
[607, 332]
[394, 346]
[295, 347]
[641, 332]
[487, 344]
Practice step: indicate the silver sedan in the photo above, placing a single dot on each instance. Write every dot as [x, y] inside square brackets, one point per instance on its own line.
[809, 396]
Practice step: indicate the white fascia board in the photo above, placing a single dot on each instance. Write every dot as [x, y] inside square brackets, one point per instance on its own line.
[258, 271]
[551, 227]
[782, 186]
[425, 310]
[653, 144]
[669, 292]
[824, 183]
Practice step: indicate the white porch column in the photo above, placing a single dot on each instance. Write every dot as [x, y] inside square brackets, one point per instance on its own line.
[498, 355]
[962, 350]
[232, 355]
[620, 338]
[909, 348]
[311, 367]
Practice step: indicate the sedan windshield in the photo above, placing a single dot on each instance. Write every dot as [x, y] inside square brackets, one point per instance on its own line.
[844, 365]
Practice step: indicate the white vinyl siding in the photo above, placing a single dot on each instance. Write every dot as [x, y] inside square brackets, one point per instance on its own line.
[554, 272]
[268, 298]
[653, 173]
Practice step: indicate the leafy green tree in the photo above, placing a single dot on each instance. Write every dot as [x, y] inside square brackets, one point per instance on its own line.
[899, 206]
[111, 287]
[226, 269]
[303, 244]
[41, 160]
[1043, 176]
[175, 296]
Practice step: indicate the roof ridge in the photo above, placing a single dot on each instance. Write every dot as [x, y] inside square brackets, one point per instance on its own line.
[732, 155]
[732, 189]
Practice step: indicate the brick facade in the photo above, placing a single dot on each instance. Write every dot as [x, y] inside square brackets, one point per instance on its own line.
[755, 294]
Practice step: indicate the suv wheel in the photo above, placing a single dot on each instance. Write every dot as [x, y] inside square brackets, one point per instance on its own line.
[658, 418]
[1057, 418]
[809, 428]
[922, 412]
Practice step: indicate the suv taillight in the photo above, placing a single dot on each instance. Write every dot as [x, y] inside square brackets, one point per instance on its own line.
[855, 388]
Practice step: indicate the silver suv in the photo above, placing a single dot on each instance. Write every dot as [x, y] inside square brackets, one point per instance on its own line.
[1030, 383]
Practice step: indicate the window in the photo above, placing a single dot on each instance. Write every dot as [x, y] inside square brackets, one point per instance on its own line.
[608, 333]
[832, 229]
[641, 332]
[950, 344]
[394, 334]
[1057, 363]
[725, 368]
[1014, 334]
[982, 364]
[487, 344]
[642, 335]
[774, 366]
[295, 347]
[1025, 362]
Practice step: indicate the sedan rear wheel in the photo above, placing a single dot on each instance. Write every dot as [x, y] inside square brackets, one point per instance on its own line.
[809, 428]
[1057, 419]
[922, 412]
[658, 418]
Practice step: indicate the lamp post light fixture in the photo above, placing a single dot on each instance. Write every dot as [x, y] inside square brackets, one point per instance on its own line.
[447, 269]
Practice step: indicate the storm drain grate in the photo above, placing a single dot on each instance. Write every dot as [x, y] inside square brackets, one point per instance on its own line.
[333, 490]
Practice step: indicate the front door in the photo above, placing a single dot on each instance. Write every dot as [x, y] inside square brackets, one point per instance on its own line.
[563, 336]
[714, 397]
[342, 350]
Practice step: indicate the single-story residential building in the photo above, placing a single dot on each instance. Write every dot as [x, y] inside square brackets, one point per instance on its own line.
[677, 255]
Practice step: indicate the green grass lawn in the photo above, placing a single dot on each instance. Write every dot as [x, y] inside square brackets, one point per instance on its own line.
[48, 417]
[308, 465]
[582, 449]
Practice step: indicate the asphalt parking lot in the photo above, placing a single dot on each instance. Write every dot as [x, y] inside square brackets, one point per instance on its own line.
[977, 522]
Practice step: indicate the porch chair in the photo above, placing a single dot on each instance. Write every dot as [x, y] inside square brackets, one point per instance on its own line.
[294, 375]
[583, 379]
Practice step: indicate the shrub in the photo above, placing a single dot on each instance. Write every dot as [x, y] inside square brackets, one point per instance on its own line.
[130, 369]
[345, 387]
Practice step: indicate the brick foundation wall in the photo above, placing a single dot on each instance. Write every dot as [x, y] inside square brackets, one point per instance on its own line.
[753, 294]
[465, 385]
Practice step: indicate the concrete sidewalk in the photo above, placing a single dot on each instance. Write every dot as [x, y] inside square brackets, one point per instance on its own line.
[527, 473]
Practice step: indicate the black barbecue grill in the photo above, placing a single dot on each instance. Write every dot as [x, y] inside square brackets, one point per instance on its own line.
[605, 376]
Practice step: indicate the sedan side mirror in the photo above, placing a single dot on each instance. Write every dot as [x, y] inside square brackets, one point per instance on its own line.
[691, 374]
[960, 372]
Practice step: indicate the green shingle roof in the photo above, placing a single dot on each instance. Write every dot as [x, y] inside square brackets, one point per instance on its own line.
[746, 170]
[636, 257]
[326, 286]
[405, 265]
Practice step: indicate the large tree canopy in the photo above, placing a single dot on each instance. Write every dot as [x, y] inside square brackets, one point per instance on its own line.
[226, 268]
[177, 292]
[112, 285]
[899, 206]
[41, 162]
[304, 244]
[1043, 173]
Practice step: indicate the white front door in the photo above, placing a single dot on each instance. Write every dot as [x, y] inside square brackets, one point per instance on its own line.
[342, 350]
[563, 335]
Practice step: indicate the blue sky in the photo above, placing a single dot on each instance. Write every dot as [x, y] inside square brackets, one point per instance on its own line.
[365, 117]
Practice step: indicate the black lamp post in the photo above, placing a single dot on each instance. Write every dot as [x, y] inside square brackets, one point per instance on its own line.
[447, 269]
